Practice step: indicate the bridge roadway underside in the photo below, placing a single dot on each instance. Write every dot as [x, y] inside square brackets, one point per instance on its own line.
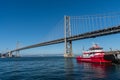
[92, 34]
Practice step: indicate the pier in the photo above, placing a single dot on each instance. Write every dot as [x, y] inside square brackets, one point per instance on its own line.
[113, 55]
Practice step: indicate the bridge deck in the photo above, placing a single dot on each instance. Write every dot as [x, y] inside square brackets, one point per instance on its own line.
[92, 34]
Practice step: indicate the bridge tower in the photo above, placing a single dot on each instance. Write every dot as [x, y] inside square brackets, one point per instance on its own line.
[9, 54]
[67, 34]
[17, 52]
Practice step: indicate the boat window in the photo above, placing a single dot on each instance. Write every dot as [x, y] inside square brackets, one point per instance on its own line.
[95, 48]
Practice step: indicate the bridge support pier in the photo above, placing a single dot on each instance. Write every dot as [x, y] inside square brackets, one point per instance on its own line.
[17, 54]
[67, 33]
[9, 54]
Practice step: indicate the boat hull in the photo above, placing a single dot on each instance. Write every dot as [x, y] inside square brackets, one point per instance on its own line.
[92, 60]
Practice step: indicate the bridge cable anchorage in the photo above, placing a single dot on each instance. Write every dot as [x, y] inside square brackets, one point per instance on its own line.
[68, 43]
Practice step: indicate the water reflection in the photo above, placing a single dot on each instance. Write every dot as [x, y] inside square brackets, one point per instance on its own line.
[15, 71]
[69, 68]
[93, 70]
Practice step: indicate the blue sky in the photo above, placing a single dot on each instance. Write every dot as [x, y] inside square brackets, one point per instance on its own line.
[30, 21]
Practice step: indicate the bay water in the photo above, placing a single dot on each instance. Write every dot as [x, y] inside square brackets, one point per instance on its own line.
[55, 68]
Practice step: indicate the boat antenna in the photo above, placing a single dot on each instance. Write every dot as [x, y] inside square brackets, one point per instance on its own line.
[110, 49]
[83, 48]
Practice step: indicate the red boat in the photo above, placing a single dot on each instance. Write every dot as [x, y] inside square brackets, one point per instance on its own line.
[94, 54]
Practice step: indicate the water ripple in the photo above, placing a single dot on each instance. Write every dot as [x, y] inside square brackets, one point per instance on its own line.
[55, 68]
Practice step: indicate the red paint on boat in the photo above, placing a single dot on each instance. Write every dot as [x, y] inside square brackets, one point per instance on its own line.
[95, 54]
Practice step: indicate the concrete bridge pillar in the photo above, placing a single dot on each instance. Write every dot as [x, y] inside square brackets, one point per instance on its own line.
[17, 54]
[9, 54]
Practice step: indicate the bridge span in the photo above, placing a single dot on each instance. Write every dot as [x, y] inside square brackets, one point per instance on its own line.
[89, 27]
[92, 34]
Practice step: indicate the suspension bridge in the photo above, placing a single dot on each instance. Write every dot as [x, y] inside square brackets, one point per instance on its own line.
[80, 27]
